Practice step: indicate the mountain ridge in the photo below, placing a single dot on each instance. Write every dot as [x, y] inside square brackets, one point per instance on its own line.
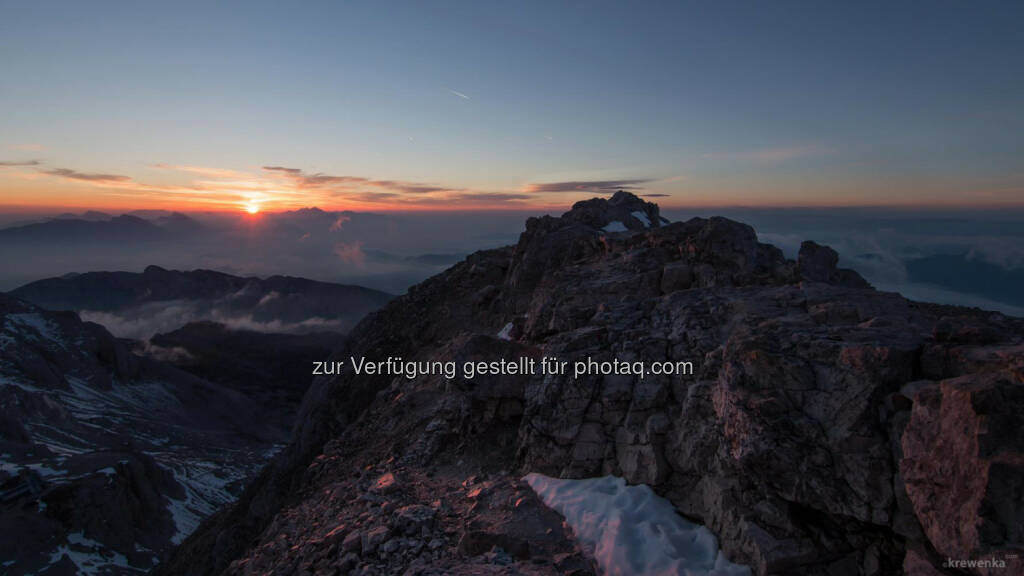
[109, 458]
[808, 439]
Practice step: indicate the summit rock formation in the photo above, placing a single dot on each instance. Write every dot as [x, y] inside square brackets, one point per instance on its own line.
[828, 428]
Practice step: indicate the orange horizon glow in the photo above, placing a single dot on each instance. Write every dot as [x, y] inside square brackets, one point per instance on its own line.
[256, 210]
[272, 189]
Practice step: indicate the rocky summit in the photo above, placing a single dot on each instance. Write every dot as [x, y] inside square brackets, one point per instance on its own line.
[827, 428]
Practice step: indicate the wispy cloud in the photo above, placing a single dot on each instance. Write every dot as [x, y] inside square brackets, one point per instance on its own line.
[13, 163]
[86, 176]
[351, 253]
[352, 183]
[339, 223]
[459, 94]
[488, 196]
[27, 147]
[587, 186]
[203, 170]
[276, 187]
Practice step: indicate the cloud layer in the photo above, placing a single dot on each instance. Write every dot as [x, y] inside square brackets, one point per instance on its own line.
[595, 186]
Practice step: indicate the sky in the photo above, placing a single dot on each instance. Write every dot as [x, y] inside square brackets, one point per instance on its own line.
[265, 106]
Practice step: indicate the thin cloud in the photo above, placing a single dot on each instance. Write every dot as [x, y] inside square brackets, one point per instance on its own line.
[283, 187]
[303, 180]
[459, 94]
[283, 169]
[13, 163]
[27, 147]
[86, 176]
[656, 195]
[351, 253]
[202, 170]
[489, 196]
[339, 223]
[587, 186]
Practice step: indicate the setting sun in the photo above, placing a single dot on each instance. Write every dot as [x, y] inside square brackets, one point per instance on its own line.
[252, 208]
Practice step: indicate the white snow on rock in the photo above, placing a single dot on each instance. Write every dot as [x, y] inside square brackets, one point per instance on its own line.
[616, 226]
[642, 218]
[90, 557]
[631, 531]
[206, 489]
[40, 328]
[506, 332]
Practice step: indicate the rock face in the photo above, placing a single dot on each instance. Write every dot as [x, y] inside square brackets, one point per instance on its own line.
[826, 428]
[108, 459]
[259, 365]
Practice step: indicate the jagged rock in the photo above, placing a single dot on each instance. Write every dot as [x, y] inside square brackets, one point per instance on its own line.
[413, 519]
[105, 446]
[353, 542]
[803, 437]
[963, 465]
[385, 484]
[373, 538]
[818, 264]
[624, 208]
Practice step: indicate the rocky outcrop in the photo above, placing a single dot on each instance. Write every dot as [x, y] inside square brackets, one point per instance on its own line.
[818, 264]
[108, 459]
[963, 463]
[813, 433]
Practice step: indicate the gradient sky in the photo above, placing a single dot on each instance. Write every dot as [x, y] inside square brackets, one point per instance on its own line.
[389, 105]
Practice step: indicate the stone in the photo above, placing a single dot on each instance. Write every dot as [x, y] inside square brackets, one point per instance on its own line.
[386, 483]
[413, 519]
[373, 538]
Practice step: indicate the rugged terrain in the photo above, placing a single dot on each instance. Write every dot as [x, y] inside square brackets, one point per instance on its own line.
[828, 428]
[107, 459]
[272, 370]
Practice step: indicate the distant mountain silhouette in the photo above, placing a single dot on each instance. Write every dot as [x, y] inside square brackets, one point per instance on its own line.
[77, 230]
[91, 215]
[165, 300]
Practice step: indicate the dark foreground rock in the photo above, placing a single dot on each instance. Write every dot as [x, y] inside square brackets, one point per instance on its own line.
[826, 427]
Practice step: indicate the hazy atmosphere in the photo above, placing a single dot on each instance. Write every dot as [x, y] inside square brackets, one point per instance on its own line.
[955, 256]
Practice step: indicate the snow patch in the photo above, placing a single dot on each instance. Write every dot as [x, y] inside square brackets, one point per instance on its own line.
[630, 530]
[506, 332]
[616, 226]
[642, 218]
[206, 489]
[43, 329]
[90, 557]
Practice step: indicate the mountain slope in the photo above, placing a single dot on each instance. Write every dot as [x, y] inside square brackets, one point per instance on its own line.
[124, 228]
[108, 459]
[814, 436]
[273, 370]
